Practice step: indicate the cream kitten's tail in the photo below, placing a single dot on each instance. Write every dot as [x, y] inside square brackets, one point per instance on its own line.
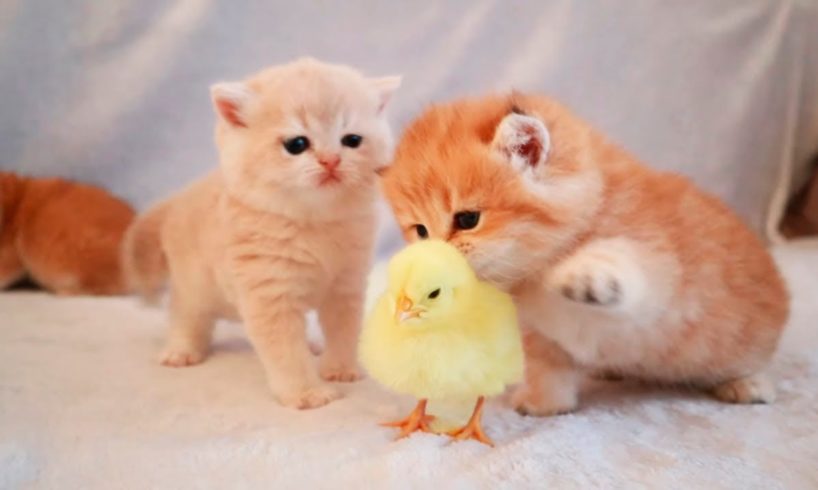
[143, 261]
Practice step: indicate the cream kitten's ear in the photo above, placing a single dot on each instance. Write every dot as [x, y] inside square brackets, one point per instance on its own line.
[522, 140]
[385, 87]
[230, 100]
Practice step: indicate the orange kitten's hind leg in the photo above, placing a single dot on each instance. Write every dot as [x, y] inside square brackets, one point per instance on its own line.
[756, 388]
[551, 380]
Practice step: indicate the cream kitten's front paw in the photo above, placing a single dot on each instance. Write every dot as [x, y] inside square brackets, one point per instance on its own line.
[182, 355]
[332, 370]
[313, 397]
[756, 388]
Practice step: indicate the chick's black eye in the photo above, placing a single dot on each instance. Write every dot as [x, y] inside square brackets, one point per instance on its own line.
[352, 140]
[466, 220]
[422, 232]
[434, 294]
[297, 145]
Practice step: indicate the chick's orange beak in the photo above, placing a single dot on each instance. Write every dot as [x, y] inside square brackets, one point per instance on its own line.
[404, 309]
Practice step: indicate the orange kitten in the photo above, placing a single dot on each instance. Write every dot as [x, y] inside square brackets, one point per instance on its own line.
[64, 235]
[285, 225]
[613, 266]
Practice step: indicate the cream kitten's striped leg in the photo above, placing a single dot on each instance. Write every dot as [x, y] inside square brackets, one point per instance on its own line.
[340, 318]
[341, 315]
[277, 331]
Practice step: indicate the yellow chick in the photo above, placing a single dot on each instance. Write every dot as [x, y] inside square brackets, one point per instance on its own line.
[440, 333]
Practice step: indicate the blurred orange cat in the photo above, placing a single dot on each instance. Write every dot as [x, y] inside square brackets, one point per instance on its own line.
[613, 266]
[64, 235]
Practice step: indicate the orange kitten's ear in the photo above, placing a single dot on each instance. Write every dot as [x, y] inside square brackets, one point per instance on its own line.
[385, 87]
[230, 100]
[522, 140]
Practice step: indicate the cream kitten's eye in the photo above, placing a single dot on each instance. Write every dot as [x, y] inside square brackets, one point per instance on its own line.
[297, 145]
[466, 220]
[352, 140]
[422, 232]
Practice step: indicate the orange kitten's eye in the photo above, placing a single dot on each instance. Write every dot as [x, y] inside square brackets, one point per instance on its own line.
[297, 145]
[352, 140]
[422, 232]
[466, 220]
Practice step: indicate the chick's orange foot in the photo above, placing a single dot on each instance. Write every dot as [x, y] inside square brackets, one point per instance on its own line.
[473, 429]
[416, 421]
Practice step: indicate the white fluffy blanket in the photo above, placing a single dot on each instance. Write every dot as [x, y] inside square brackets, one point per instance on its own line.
[83, 404]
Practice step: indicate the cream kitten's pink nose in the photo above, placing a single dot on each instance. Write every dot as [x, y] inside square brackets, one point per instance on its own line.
[330, 162]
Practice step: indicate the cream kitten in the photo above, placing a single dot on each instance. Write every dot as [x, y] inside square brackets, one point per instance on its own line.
[285, 225]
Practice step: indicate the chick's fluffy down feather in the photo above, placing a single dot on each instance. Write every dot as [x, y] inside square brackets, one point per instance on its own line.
[478, 353]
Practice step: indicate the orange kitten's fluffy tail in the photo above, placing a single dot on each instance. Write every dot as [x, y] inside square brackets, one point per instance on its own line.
[143, 260]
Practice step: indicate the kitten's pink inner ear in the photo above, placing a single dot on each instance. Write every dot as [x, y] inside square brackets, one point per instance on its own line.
[230, 112]
[385, 86]
[520, 137]
[532, 149]
[230, 101]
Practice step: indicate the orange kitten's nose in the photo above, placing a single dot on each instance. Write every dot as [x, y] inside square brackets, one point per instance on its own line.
[330, 162]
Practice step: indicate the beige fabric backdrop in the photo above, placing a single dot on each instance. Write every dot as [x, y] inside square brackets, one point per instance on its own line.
[115, 92]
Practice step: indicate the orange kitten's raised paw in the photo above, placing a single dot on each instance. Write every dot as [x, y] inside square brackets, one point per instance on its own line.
[589, 279]
[595, 289]
[603, 273]
[756, 388]
[314, 397]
